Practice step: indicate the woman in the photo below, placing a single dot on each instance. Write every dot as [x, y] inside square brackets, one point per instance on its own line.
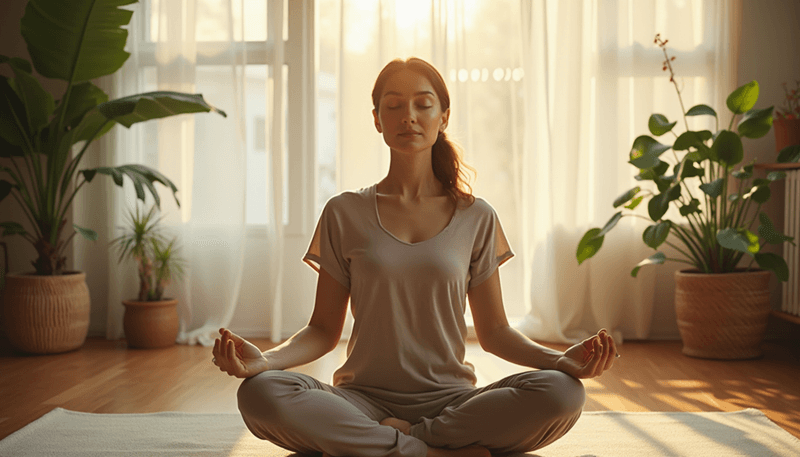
[407, 252]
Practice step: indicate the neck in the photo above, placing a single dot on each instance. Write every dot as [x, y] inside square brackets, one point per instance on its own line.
[411, 177]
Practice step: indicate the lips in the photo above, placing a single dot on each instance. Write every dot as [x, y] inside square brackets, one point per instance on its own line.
[409, 134]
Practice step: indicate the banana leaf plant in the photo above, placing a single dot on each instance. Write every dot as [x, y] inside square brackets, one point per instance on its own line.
[44, 139]
[716, 231]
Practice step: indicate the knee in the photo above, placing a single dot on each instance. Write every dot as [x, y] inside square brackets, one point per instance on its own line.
[565, 395]
[261, 395]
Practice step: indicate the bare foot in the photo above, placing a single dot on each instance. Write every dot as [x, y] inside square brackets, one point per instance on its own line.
[469, 451]
[399, 424]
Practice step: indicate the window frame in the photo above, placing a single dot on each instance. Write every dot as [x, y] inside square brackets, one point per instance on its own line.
[296, 110]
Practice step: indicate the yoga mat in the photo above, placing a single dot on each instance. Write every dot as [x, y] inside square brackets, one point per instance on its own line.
[68, 433]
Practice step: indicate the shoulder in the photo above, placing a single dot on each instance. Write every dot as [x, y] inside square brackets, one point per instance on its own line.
[348, 201]
[480, 208]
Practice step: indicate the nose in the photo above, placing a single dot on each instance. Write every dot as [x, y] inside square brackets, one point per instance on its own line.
[408, 117]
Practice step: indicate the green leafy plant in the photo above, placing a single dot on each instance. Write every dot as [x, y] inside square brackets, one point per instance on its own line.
[716, 231]
[45, 139]
[156, 257]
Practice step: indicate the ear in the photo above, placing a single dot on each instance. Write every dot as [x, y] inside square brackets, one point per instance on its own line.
[377, 121]
[444, 120]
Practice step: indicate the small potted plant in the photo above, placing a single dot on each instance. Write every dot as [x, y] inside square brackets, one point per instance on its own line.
[722, 307]
[151, 321]
[787, 125]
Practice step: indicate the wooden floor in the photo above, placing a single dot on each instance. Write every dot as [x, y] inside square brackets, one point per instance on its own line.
[106, 377]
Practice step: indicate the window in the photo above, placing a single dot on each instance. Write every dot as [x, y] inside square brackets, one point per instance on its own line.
[241, 31]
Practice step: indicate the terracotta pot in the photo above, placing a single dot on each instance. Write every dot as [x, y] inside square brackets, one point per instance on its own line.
[46, 314]
[787, 132]
[151, 324]
[722, 316]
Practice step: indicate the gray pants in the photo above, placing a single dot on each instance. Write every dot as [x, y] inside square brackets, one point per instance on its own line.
[520, 413]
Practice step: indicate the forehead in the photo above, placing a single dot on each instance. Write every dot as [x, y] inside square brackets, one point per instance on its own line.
[407, 83]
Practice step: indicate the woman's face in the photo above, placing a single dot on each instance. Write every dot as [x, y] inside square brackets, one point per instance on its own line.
[410, 113]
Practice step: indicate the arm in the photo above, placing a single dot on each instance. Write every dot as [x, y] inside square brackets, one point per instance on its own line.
[585, 360]
[238, 357]
[323, 331]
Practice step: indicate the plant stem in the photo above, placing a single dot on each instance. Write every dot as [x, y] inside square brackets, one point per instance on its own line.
[64, 208]
[30, 217]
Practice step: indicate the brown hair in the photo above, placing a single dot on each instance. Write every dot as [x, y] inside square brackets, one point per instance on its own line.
[446, 158]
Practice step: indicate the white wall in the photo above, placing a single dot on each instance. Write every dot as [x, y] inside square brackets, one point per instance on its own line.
[768, 53]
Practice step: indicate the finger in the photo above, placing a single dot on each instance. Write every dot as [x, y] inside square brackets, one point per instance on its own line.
[215, 351]
[592, 367]
[232, 356]
[612, 352]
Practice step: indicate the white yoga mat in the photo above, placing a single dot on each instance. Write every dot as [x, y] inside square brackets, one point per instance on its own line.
[67, 433]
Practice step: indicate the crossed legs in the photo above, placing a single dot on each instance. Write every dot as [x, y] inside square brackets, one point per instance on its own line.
[517, 414]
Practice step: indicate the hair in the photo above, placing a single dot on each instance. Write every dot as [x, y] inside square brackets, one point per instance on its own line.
[446, 155]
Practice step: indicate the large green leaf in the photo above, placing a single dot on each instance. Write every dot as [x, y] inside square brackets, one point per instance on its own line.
[5, 189]
[12, 228]
[789, 154]
[650, 174]
[773, 262]
[154, 105]
[626, 197]
[714, 188]
[10, 150]
[89, 234]
[698, 110]
[768, 232]
[142, 177]
[755, 123]
[741, 240]
[610, 224]
[691, 208]
[659, 125]
[655, 235]
[743, 98]
[656, 259]
[76, 41]
[12, 115]
[727, 148]
[658, 205]
[589, 245]
[645, 152]
[39, 104]
[690, 139]
[93, 125]
[83, 98]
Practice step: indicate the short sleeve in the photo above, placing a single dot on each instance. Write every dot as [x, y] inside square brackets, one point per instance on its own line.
[491, 248]
[325, 250]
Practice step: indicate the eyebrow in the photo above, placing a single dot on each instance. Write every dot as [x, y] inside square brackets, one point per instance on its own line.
[424, 92]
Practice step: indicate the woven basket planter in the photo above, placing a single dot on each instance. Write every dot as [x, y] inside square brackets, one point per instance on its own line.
[151, 324]
[722, 316]
[46, 314]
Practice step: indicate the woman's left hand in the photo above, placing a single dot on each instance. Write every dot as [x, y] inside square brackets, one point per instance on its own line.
[589, 358]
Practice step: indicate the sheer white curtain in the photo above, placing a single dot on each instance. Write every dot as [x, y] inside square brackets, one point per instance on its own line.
[193, 46]
[547, 97]
[593, 77]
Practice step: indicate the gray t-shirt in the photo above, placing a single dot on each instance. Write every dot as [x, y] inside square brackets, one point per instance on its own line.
[408, 299]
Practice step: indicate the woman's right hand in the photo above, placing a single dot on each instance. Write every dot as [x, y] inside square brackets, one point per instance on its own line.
[236, 356]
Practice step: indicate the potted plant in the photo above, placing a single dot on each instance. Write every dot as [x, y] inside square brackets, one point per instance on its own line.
[722, 307]
[151, 321]
[787, 125]
[44, 140]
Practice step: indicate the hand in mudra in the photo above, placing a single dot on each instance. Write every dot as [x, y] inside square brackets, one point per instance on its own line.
[236, 356]
[589, 358]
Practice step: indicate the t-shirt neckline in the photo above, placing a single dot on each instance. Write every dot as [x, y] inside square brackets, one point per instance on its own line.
[374, 195]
